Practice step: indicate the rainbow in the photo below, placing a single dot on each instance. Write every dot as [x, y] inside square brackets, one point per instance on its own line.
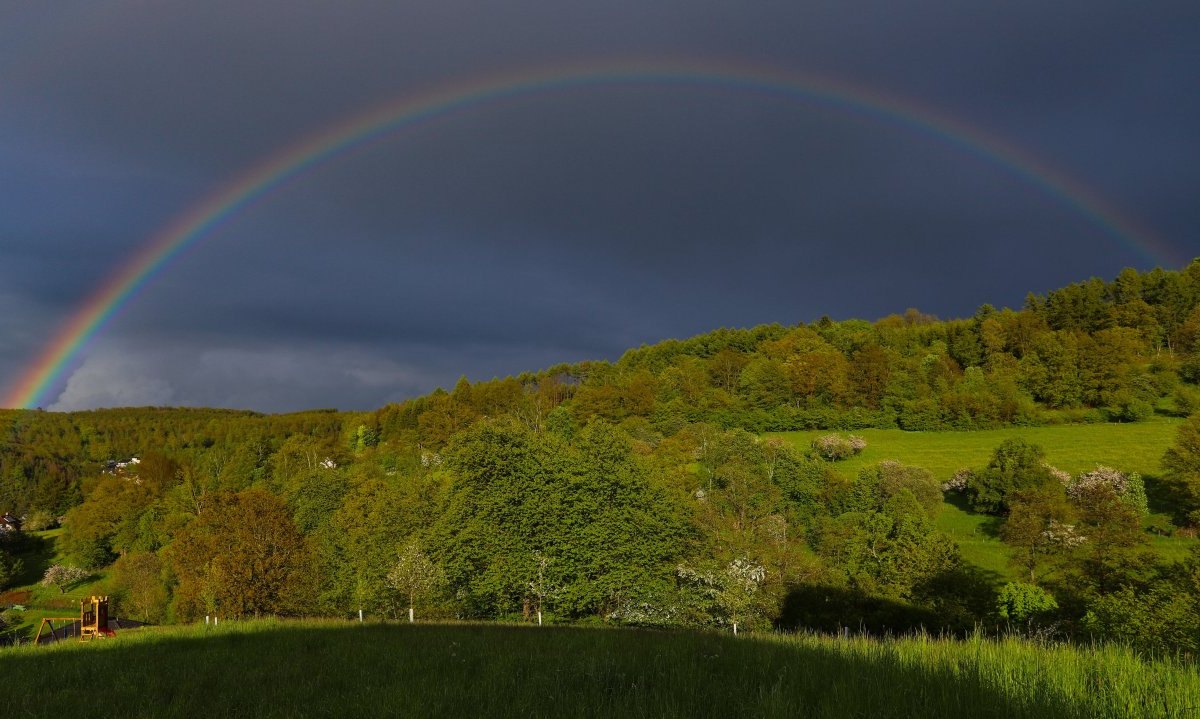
[274, 172]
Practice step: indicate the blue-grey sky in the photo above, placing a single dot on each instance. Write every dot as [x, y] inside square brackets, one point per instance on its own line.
[558, 226]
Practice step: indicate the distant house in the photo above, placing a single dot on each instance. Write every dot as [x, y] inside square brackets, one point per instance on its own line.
[9, 523]
[122, 469]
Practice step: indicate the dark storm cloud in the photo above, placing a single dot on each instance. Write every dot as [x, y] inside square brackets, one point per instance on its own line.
[562, 225]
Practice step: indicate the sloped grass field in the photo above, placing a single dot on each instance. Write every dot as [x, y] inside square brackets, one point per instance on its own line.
[1135, 447]
[1075, 448]
[336, 669]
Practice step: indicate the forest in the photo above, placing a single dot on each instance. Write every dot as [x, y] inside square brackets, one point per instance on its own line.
[650, 491]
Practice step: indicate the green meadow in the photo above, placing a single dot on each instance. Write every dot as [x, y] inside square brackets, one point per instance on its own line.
[335, 669]
[1136, 447]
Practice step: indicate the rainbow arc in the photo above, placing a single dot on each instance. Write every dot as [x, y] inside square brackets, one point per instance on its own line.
[275, 171]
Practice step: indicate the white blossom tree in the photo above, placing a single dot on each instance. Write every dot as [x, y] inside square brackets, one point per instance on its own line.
[732, 589]
[62, 576]
[415, 576]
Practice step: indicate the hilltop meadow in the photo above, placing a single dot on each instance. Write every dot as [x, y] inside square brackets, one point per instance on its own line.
[1023, 484]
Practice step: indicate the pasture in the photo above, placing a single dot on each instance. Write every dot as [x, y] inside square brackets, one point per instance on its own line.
[1136, 447]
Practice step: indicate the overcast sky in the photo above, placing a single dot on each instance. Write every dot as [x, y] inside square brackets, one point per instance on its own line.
[567, 224]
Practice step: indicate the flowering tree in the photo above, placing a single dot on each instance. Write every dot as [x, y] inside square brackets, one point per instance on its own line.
[959, 481]
[62, 576]
[733, 589]
[415, 576]
[1129, 487]
[834, 447]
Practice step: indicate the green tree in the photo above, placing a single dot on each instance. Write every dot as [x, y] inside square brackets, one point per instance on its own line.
[242, 556]
[1024, 603]
[107, 522]
[888, 552]
[1116, 553]
[1161, 619]
[1015, 465]
[1040, 527]
[589, 505]
[137, 580]
[10, 568]
[1182, 463]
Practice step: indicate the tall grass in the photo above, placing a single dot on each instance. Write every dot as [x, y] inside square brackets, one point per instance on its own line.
[303, 669]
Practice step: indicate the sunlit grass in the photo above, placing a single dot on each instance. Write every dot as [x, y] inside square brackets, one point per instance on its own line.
[1136, 447]
[299, 669]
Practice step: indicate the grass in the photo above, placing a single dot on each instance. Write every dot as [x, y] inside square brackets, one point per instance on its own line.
[334, 669]
[1074, 448]
[1136, 447]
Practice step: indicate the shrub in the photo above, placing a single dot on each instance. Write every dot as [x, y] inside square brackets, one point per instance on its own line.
[833, 447]
[10, 567]
[959, 481]
[40, 520]
[1159, 619]
[1129, 487]
[1016, 465]
[1020, 602]
[1127, 408]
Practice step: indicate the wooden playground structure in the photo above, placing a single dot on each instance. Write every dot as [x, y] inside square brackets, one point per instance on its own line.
[92, 622]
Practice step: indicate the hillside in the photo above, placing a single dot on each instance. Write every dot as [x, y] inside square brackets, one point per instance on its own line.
[679, 486]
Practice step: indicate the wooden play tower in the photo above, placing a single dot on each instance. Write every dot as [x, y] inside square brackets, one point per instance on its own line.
[93, 621]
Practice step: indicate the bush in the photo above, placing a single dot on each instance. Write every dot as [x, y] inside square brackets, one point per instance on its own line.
[1186, 402]
[40, 520]
[10, 567]
[1015, 465]
[1129, 487]
[1125, 407]
[1024, 603]
[1161, 619]
[833, 447]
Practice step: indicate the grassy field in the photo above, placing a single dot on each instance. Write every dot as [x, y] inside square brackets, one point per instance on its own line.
[1074, 448]
[327, 669]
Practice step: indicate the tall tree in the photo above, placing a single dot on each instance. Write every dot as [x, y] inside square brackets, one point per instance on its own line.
[242, 557]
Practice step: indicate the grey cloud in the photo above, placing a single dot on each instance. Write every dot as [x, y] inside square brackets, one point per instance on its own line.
[561, 225]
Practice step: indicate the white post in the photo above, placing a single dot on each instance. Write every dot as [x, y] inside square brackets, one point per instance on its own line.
[216, 621]
[539, 617]
[735, 629]
[410, 615]
[360, 615]
[206, 620]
